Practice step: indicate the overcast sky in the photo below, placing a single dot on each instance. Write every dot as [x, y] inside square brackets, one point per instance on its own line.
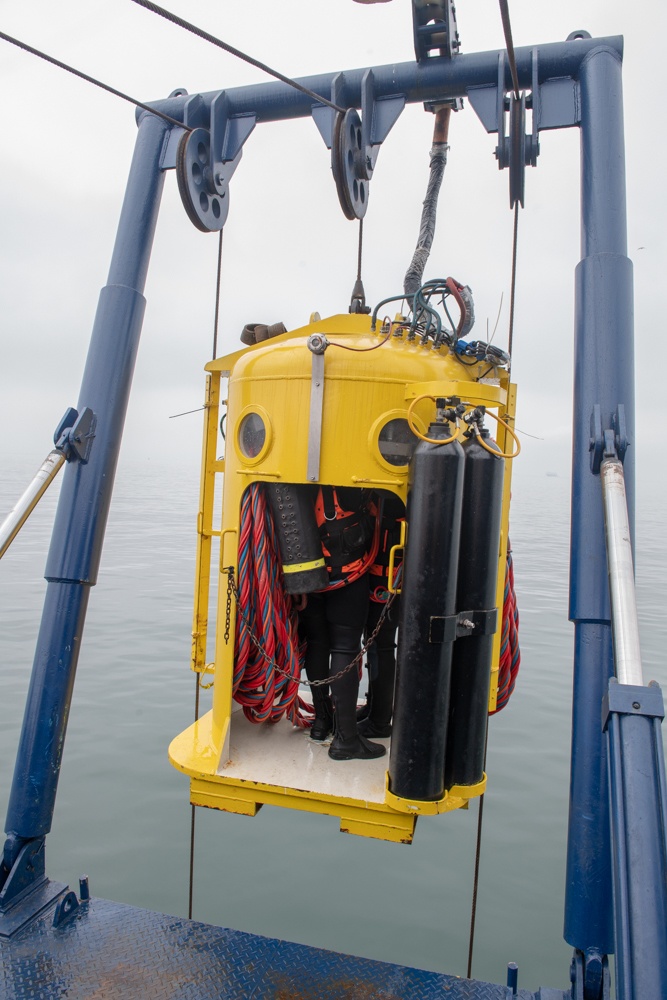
[65, 153]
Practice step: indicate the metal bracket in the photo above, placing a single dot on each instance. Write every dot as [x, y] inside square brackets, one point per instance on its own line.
[75, 433]
[355, 140]
[632, 699]
[65, 908]
[207, 158]
[608, 442]
[317, 345]
[26, 891]
[516, 149]
[434, 28]
[590, 977]
[447, 628]
[27, 872]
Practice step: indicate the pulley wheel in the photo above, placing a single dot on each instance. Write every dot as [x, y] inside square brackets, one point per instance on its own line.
[347, 164]
[206, 208]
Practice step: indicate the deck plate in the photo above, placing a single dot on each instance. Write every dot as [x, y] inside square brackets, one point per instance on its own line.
[110, 950]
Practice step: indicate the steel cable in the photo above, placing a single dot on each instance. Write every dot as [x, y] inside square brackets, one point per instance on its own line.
[188, 26]
[89, 79]
[507, 29]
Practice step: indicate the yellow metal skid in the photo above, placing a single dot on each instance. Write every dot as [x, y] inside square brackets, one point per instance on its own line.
[272, 382]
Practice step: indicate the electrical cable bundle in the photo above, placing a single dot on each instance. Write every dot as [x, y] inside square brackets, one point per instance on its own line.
[267, 612]
[510, 654]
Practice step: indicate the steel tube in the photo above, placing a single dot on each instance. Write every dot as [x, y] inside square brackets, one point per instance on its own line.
[83, 506]
[27, 502]
[624, 624]
[639, 821]
[603, 375]
[435, 79]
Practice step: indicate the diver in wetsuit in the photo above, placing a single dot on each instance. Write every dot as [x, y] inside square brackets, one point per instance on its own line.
[333, 620]
[374, 718]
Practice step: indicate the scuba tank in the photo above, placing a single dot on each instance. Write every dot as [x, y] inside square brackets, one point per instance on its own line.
[293, 509]
[476, 596]
[427, 622]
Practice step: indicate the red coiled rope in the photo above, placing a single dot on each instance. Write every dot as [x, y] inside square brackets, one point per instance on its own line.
[510, 654]
[268, 611]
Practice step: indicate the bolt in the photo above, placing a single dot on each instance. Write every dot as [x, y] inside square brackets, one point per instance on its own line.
[636, 704]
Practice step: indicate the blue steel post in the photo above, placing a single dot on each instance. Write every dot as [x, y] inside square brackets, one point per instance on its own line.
[604, 374]
[83, 506]
[639, 820]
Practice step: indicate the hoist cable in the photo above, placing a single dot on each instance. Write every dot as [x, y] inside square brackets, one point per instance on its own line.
[89, 79]
[188, 26]
[360, 249]
[191, 877]
[217, 298]
[198, 675]
[508, 668]
[513, 285]
[507, 29]
[475, 884]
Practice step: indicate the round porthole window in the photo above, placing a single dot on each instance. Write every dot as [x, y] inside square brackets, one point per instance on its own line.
[397, 442]
[252, 435]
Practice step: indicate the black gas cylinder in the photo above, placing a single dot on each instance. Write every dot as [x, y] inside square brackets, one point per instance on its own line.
[293, 509]
[427, 623]
[476, 593]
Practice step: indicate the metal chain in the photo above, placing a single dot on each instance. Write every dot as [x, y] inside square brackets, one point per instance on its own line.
[228, 608]
[232, 589]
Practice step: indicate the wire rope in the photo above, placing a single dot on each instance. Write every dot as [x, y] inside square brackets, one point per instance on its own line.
[360, 249]
[513, 286]
[198, 676]
[188, 26]
[217, 297]
[507, 29]
[89, 79]
[475, 884]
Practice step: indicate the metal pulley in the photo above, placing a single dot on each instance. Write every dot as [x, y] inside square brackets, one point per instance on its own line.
[205, 196]
[351, 164]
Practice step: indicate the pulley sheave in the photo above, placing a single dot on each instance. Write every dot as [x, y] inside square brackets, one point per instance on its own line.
[206, 203]
[351, 167]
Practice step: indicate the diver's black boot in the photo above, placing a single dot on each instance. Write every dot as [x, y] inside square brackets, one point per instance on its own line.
[322, 727]
[347, 744]
[363, 710]
[377, 723]
[374, 730]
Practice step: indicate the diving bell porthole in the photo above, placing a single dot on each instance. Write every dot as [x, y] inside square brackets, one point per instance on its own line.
[394, 440]
[253, 436]
[397, 442]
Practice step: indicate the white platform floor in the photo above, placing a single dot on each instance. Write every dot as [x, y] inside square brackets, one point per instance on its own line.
[284, 756]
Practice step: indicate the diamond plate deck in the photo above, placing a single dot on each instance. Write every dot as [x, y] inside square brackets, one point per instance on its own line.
[109, 950]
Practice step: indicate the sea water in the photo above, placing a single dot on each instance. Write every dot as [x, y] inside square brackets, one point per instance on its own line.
[122, 815]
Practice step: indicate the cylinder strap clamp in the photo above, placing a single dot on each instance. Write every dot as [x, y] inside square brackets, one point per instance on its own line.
[447, 628]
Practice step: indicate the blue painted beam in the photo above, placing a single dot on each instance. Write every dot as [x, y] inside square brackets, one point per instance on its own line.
[436, 79]
[639, 825]
[604, 375]
[84, 501]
